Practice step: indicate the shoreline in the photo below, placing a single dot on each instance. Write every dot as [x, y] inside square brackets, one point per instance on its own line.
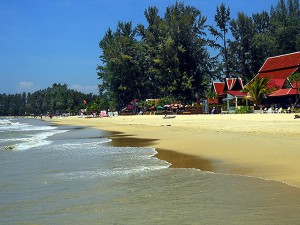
[177, 159]
[258, 145]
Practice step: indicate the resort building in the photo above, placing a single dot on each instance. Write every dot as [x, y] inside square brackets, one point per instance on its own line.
[278, 69]
[228, 92]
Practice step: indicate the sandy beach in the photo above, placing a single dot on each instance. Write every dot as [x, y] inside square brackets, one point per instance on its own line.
[259, 145]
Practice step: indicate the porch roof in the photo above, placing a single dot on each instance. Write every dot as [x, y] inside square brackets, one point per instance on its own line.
[237, 93]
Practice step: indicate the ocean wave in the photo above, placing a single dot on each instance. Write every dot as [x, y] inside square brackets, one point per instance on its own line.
[89, 143]
[4, 122]
[9, 125]
[116, 172]
[36, 140]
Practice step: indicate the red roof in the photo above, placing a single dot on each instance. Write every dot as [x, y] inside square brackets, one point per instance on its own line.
[278, 77]
[219, 87]
[279, 74]
[237, 93]
[281, 61]
[279, 68]
[284, 92]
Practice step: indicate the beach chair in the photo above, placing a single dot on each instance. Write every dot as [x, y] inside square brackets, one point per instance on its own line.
[270, 110]
[279, 110]
[288, 110]
[265, 110]
[169, 116]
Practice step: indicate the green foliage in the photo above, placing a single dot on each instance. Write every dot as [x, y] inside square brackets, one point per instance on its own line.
[243, 109]
[169, 56]
[295, 81]
[211, 94]
[258, 89]
[263, 35]
[55, 100]
[98, 105]
[121, 73]
[166, 58]
[222, 18]
[166, 101]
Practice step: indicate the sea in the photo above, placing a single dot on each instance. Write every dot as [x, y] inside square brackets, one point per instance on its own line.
[52, 174]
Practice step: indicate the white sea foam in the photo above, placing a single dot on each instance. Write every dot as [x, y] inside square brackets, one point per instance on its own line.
[9, 125]
[90, 144]
[4, 122]
[116, 172]
[36, 140]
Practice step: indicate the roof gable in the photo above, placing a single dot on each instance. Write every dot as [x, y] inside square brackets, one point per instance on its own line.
[234, 84]
[230, 83]
[218, 87]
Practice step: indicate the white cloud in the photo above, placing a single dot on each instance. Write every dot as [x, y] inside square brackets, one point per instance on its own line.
[85, 89]
[26, 86]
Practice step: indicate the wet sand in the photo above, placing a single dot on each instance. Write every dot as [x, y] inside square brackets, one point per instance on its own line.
[259, 145]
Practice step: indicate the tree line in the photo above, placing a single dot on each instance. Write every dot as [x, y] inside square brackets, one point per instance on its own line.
[57, 99]
[177, 55]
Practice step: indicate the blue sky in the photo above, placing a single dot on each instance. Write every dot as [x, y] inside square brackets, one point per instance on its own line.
[56, 41]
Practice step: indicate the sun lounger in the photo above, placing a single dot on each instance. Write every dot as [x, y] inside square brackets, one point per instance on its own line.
[168, 117]
[288, 110]
[278, 110]
[270, 110]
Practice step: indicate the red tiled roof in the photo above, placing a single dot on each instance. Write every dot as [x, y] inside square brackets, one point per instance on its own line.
[284, 92]
[278, 74]
[237, 93]
[278, 77]
[219, 87]
[281, 61]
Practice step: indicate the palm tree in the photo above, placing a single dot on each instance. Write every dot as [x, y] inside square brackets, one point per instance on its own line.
[295, 80]
[258, 89]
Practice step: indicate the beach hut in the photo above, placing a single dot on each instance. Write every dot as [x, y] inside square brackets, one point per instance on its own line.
[228, 92]
[237, 97]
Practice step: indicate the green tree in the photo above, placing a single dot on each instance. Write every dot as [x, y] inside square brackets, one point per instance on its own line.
[222, 19]
[263, 43]
[258, 89]
[243, 32]
[168, 57]
[121, 72]
[285, 23]
[151, 61]
[263, 35]
[295, 81]
[184, 58]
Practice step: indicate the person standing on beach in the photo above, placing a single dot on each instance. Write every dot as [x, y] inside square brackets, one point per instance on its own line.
[213, 110]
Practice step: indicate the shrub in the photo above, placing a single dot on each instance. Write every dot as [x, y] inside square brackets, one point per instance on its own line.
[243, 109]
